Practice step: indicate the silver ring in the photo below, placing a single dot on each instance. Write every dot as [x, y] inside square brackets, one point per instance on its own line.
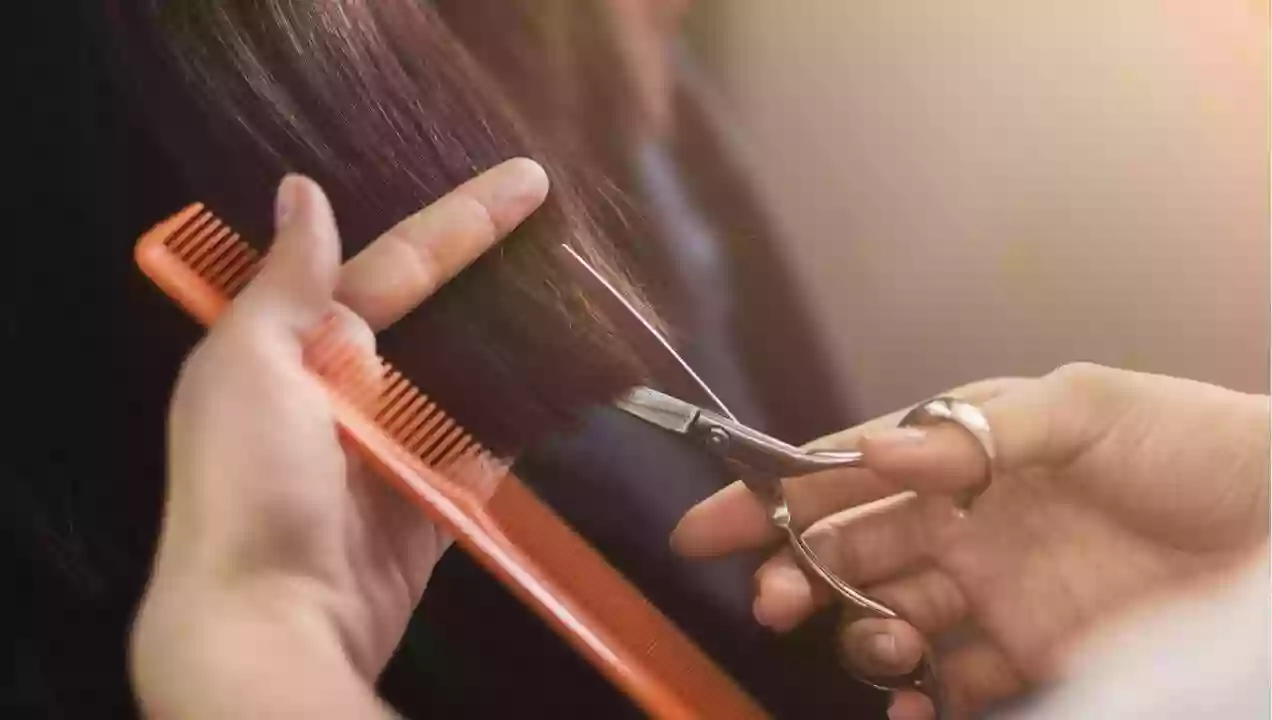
[970, 418]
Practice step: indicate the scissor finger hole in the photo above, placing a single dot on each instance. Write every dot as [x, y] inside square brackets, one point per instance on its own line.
[969, 418]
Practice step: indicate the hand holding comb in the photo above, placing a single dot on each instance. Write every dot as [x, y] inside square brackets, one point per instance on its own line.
[416, 446]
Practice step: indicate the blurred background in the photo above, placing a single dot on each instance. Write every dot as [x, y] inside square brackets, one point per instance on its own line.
[998, 187]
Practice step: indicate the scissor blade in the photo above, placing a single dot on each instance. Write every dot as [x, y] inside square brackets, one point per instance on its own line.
[672, 371]
[659, 409]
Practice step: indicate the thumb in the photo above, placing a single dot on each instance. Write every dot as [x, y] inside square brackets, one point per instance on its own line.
[1043, 421]
[941, 459]
[297, 283]
[944, 458]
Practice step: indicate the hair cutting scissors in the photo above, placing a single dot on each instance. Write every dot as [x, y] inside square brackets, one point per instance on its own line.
[761, 461]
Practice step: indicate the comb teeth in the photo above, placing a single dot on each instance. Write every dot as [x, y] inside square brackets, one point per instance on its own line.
[376, 388]
[204, 244]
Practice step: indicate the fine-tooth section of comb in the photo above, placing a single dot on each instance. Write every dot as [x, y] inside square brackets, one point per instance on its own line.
[375, 388]
[415, 446]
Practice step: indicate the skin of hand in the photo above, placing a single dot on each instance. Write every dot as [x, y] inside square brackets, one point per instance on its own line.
[1110, 489]
[286, 572]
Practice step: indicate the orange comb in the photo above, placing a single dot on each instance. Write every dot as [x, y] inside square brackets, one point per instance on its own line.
[201, 264]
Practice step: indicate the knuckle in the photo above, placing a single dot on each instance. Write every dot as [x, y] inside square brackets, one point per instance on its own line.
[845, 554]
[1084, 402]
[944, 599]
[473, 216]
[417, 255]
[434, 250]
[1090, 384]
[924, 599]
[1081, 373]
[901, 597]
[981, 387]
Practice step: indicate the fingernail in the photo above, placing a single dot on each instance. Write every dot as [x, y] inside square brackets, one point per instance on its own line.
[759, 611]
[791, 582]
[782, 593]
[898, 436]
[286, 200]
[884, 648]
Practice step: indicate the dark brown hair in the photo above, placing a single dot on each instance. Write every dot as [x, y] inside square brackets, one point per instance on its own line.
[377, 101]
[558, 60]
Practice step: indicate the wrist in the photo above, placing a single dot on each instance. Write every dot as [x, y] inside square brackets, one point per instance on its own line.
[254, 649]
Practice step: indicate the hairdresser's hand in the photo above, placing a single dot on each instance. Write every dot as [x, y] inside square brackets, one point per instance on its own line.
[286, 572]
[1109, 488]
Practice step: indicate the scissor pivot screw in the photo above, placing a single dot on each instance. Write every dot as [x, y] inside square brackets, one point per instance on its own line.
[718, 439]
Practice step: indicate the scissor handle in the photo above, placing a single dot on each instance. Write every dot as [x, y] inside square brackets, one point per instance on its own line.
[761, 462]
[962, 414]
[922, 678]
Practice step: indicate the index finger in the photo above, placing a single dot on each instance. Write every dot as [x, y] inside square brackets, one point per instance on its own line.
[407, 264]
[733, 520]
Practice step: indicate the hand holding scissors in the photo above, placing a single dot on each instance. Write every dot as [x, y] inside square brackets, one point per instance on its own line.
[1111, 490]
[968, 563]
[763, 462]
